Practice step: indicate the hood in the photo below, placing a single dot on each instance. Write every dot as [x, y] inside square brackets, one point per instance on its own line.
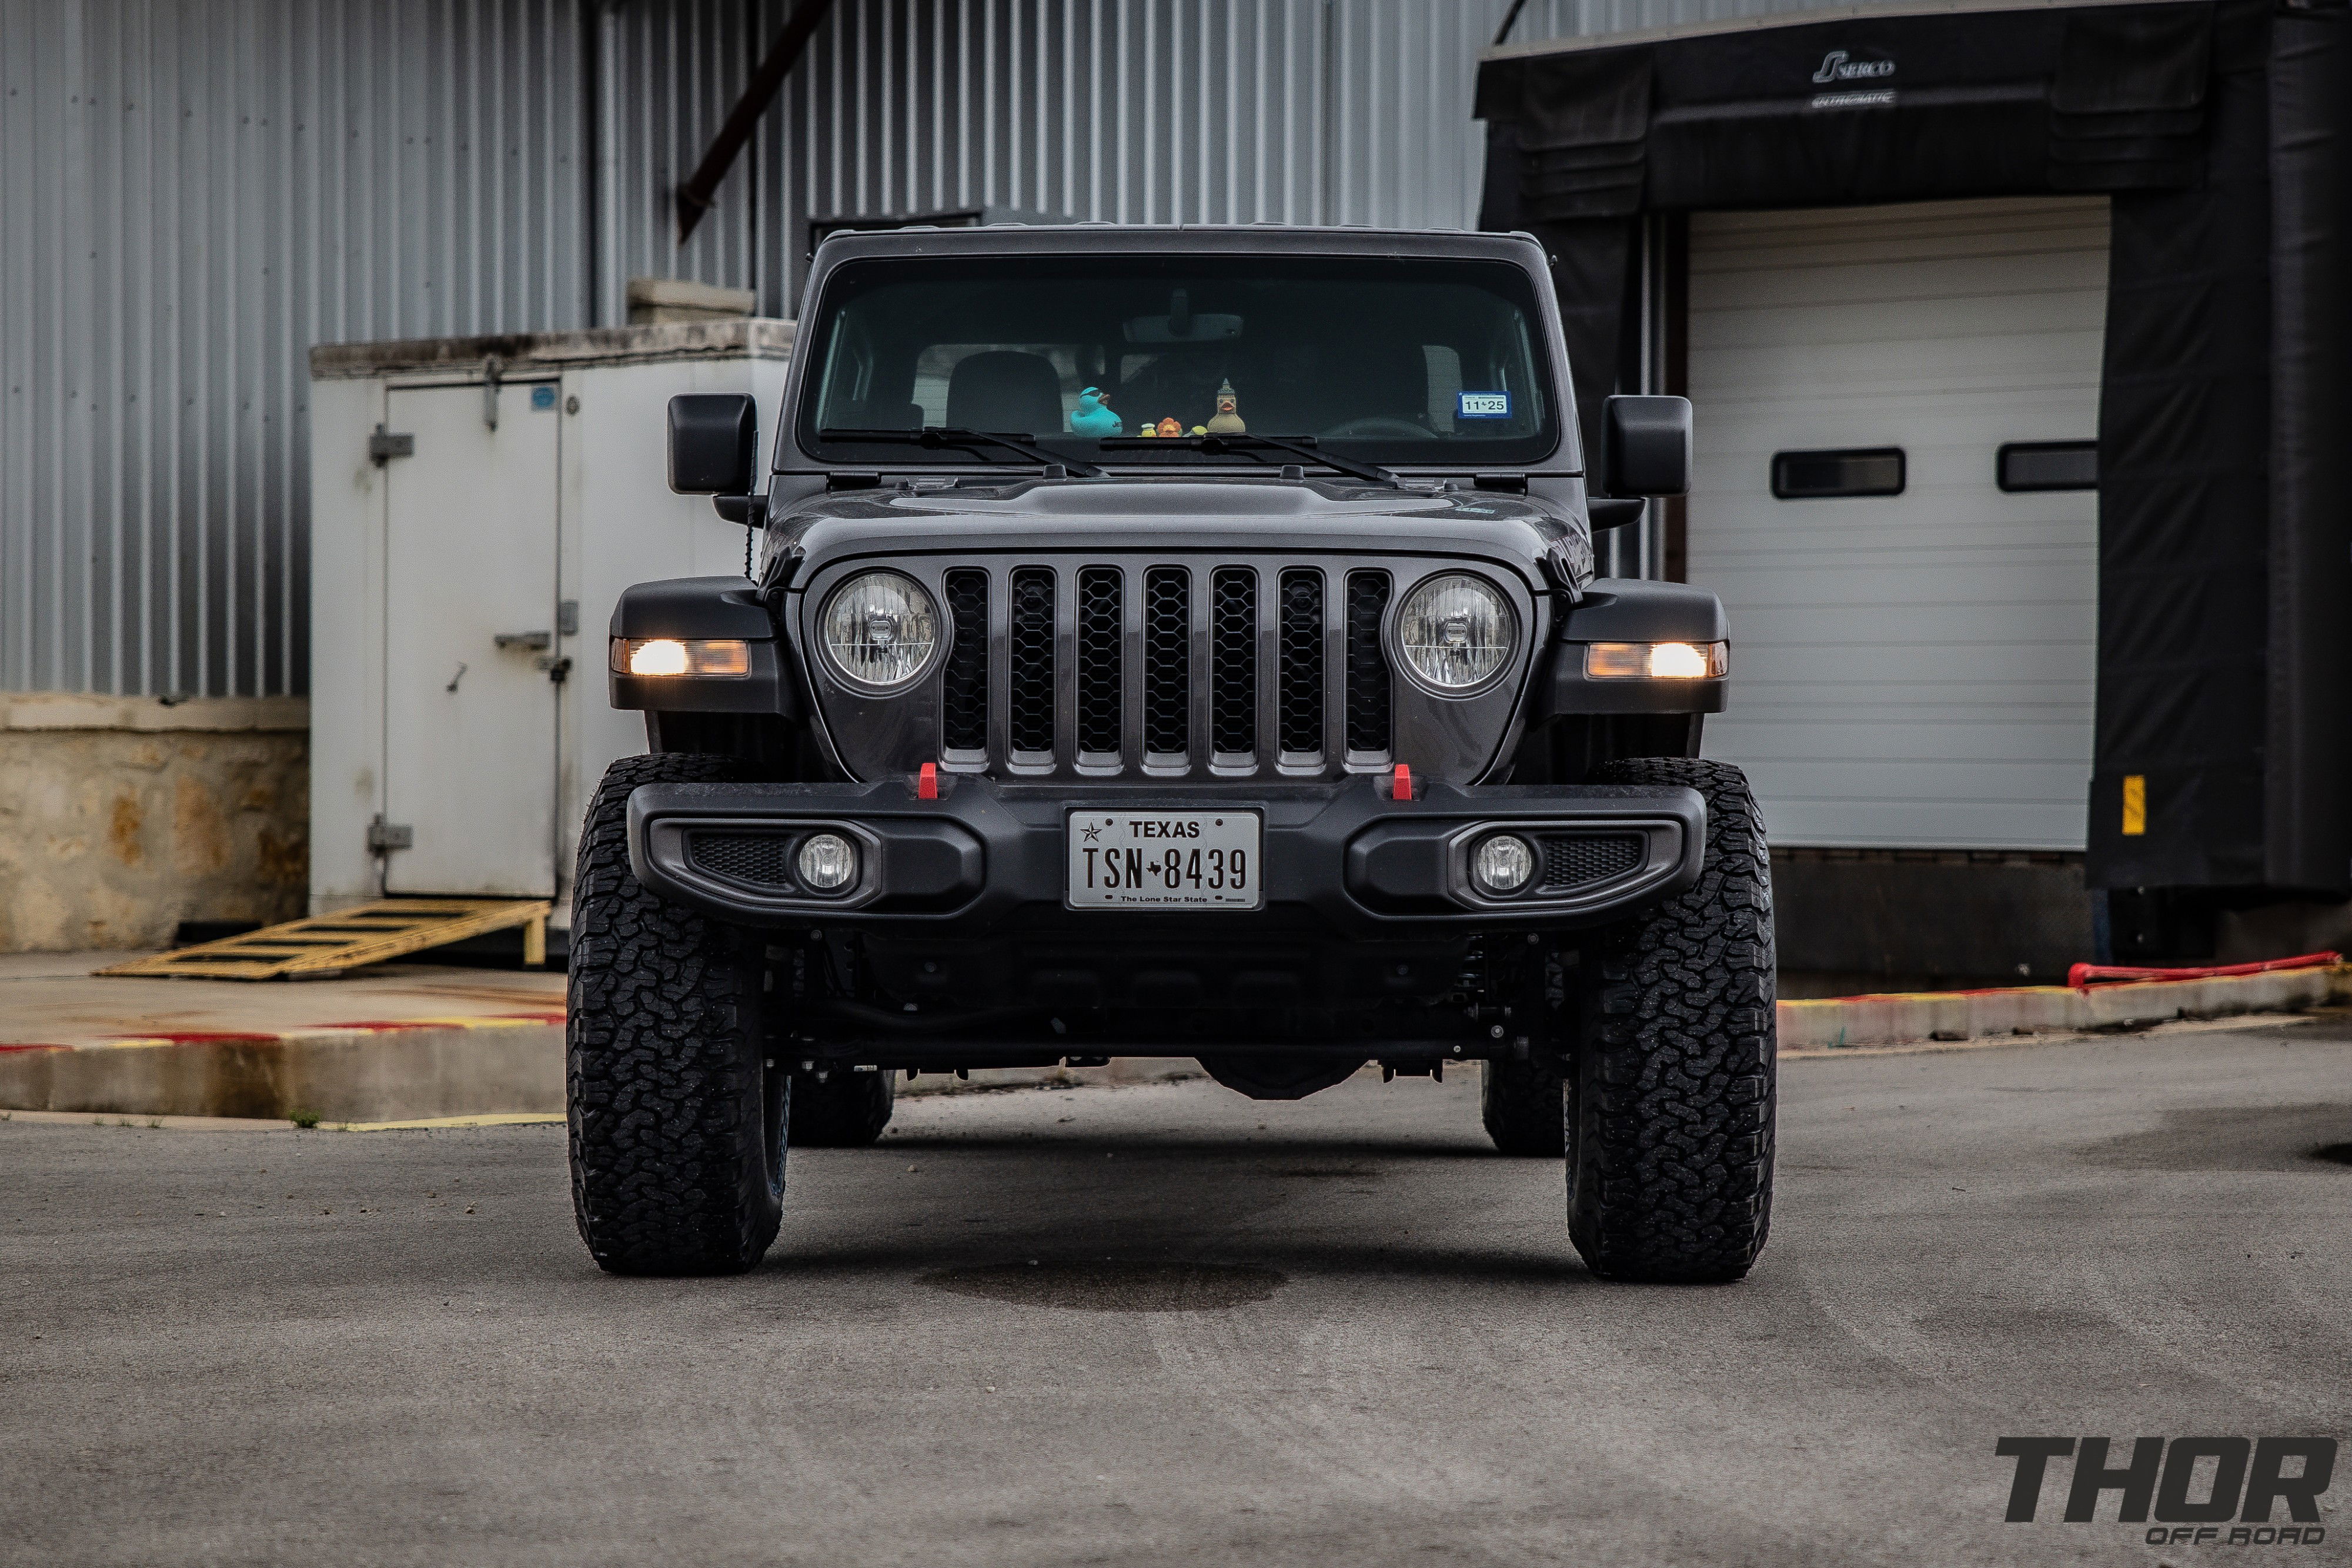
[1520, 533]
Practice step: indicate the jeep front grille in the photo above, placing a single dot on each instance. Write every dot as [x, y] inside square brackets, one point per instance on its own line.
[1154, 668]
[1167, 661]
[1301, 723]
[1368, 666]
[1232, 656]
[963, 687]
[1030, 646]
[1100, 661]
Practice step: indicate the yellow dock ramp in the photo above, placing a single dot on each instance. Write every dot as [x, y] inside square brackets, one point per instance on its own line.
[348, 939]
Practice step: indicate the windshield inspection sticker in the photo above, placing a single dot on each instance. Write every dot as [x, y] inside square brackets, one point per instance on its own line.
[1482, 405]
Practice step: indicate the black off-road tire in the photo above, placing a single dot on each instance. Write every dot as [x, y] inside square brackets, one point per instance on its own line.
[844, 1110]
[1524, 1105]
[678, 1120]
[1671, 1102]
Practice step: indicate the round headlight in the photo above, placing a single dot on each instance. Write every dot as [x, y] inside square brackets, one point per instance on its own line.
[880, 629]
[1456, 632]
[1502, 863]
[827, 861]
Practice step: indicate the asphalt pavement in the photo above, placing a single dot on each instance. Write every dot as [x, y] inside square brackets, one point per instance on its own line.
[1162, 1324]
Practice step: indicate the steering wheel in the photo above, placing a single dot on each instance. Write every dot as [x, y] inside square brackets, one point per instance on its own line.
[1382, 424]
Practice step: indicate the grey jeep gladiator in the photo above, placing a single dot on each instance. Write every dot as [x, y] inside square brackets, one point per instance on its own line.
[1173, 641]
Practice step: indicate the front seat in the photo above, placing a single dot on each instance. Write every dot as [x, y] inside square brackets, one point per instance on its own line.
[1006, 391]
[1369, 377]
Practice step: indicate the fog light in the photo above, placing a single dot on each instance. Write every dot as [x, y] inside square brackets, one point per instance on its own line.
[827, 862]
[1502, 863]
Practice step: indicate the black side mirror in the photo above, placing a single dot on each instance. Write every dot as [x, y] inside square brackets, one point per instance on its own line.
[714, 444]
[1648, 442]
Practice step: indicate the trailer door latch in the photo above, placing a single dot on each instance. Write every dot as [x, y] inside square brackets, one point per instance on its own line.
[386, 445]
[384, 837]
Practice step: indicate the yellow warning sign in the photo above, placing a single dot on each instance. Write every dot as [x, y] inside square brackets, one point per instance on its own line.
[2134, 804]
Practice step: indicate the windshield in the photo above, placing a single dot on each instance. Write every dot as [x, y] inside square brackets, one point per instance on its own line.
[1099, 358]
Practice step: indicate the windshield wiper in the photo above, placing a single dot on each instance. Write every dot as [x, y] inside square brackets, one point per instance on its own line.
[1296, 446]
[936, 437]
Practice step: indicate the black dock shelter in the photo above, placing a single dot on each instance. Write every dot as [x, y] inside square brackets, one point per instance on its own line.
[2221, 133]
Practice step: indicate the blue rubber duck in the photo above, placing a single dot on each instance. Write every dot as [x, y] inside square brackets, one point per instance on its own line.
[1093, 416]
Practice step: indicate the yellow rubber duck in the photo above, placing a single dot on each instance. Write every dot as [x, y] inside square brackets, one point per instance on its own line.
[1228, 419]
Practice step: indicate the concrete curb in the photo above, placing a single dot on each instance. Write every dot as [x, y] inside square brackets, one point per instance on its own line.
[407, 1070]
[388, 1076]
[1847, 1022]
[510, 1066]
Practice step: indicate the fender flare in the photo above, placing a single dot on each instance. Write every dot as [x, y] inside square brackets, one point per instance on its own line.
[1633, 610]
[687, 606]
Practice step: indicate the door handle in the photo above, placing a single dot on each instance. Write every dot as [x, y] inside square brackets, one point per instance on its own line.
[537, 642]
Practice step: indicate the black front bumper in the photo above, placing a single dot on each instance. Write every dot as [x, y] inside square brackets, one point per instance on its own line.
[986, 858]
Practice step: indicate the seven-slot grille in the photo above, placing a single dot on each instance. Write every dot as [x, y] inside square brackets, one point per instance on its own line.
[1162, 667]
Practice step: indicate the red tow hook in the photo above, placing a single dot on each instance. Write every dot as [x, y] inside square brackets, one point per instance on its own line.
[1401, 788]
[927, 782]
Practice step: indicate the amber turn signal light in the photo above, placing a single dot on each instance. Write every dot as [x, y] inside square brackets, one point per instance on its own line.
[1656, 660]
[681, 656]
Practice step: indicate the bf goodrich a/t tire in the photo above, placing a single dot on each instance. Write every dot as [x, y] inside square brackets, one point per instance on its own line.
[1671, 1102]
[1523, 1105]
[678, 1119]
[844, 1110]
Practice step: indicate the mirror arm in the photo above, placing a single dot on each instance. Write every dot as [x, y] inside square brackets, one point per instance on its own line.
[1615, 511]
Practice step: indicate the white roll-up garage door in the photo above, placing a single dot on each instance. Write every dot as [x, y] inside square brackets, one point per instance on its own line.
[1910, 670]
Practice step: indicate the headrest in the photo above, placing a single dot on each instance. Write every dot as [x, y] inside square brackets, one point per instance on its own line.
[1004, 390]
[1376, 375]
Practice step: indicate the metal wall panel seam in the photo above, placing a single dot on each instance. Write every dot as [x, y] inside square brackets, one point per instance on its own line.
[1152, 113]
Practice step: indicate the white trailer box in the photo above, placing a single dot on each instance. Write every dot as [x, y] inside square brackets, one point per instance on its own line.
[478, 505]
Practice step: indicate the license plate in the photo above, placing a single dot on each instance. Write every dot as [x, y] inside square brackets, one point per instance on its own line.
[1164, 860]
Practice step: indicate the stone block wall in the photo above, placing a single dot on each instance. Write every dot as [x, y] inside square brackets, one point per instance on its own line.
[121, 817]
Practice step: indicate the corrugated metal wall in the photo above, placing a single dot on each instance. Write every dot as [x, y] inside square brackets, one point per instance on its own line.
[190, 194]
[192, 191]
[1119, 111]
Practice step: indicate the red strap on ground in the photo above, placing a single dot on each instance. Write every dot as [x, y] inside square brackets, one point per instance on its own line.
[2082, 977]
[926, 783]
[1401, 789]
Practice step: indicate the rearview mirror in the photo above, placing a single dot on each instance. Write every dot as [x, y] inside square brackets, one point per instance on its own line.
[1647, 444]
[1204, 327]
[1181, 324]
[714, 444]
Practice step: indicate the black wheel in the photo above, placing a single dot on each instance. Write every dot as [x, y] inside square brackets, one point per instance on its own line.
[678, 1119]
[1671, 1104]
[1524, 1105]
[842, 1110]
